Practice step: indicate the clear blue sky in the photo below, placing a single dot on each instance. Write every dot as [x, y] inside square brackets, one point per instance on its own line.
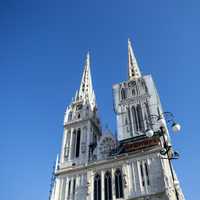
[42, 48]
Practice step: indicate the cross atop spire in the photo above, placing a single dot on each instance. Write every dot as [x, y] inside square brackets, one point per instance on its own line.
[133, 69]
[86, 90]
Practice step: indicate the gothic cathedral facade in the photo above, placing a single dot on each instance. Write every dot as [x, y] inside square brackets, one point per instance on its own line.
[98, 166]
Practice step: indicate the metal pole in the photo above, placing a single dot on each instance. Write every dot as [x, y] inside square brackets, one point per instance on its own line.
[169, 160]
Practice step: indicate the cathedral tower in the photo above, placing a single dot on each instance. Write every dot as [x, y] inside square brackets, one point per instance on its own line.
[135, 100]
[81, 123]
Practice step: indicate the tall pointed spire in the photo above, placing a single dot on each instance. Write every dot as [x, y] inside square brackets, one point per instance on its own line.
[133, 68]
[86, 90]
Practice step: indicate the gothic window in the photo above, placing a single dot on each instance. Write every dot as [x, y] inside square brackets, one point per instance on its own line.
[73, 143]
[123, 93]
[146, 122]
[126, 121]
[140, 117]
[148, 119]
[135, 119]
[133, 92]
[94, 138]
[79, 107]
[129, 118]
[66, 154]
[69, 188]
[78, 138]
[108, 186]
[70, 116]
[147, 109]
[74, 189]
[147, 173]
[97, 187]
[127, 129]
[142, 174]
[118, 184]
[84, 140]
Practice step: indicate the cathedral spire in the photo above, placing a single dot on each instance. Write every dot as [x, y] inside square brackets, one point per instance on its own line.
[133, 68]
[86, 90]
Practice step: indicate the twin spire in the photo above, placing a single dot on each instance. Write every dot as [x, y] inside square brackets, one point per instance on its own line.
[133, 69]
[86, 91]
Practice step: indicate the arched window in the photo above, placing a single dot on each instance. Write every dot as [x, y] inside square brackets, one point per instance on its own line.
[123, 94]
[118, 184]
[73, 146]
[70, 116]
[78, 138]
[108, 186]
[129, 119]
[140, 117]
[135, 119]
[67, 144]
[74, 189]
[97, 187]
[69, 189]
[147, 109]
[142, 174]
[133, 92]
[147, 173]
[126, 121]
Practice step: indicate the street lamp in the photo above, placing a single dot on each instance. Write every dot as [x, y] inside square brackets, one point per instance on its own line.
[149, 133]
[176, 127]
[164, 119]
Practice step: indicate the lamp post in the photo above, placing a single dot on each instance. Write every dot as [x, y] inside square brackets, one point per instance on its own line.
[164, 119]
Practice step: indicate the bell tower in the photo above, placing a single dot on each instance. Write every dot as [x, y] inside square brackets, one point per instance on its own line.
[81, 124]
[135, 100]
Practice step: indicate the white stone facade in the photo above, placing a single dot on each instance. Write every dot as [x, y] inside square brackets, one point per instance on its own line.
[96, 166]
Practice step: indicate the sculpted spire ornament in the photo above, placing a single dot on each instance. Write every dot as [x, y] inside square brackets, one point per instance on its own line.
[133, 69]
[86, 89]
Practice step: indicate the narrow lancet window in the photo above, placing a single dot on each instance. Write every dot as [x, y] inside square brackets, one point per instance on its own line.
[140, 117]
[135, 120]
[70, 116]
[78, 137]
[67, 144]
[74, 189]
[142, 174]
[73, 144]
[147, 173]
[123, 94]
[119, 184]
[97, 187]
[69, 188]
[108, 186]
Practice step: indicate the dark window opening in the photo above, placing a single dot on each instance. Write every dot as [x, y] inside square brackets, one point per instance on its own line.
[135, 120]
[74, 188]
[108, 186]
[142, 174]
[123, 93]
[69, 188]
[118, 184]
[140, 118]
[78, 137]
[97, 187]
[147, 174]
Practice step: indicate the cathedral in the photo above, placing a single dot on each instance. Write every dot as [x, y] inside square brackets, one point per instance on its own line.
[133, 165]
